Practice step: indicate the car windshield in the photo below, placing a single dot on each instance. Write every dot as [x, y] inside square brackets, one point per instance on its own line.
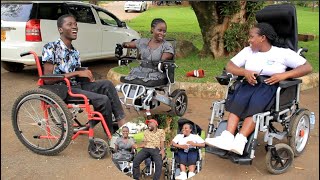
[15, 12]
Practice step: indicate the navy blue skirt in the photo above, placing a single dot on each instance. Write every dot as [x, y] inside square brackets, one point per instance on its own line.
[248, 100]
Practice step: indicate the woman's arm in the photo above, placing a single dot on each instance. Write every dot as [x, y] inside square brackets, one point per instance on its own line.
[179, 146]
[300, 71]
[115, 148]
[167, 56]
[131, 44]
[196, 144]
[249, 75]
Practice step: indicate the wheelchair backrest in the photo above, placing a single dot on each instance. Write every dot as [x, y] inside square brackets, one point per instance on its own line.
[283, 18]
[195, 128]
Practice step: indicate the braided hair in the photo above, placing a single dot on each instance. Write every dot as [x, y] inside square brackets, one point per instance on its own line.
[267, 30]
[156, 21]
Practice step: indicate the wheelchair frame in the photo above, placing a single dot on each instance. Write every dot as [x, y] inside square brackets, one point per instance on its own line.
[97, 148]
[295, 121]
[150, 96]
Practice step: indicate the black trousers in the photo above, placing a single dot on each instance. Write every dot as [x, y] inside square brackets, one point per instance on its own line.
[104, 98]
[144, 154]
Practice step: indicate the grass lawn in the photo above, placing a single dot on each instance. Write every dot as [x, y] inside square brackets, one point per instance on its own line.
[182, 24]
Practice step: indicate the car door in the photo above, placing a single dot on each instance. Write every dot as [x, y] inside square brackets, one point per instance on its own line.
[89, 33]
[111, 32]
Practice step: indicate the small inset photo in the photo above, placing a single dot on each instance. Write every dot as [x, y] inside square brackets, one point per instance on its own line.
[162, 147]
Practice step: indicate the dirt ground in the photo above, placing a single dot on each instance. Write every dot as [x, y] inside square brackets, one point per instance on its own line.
[17, 162]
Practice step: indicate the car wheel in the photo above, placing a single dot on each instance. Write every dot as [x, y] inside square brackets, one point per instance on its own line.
[126, 11]
[12, 67]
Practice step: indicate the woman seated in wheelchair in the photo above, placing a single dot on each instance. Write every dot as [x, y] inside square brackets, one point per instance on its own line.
[124, 150]
[263, 65]
[152, 52]
[187, 154]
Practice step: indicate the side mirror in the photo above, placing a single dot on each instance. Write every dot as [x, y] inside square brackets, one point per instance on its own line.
[123, 24]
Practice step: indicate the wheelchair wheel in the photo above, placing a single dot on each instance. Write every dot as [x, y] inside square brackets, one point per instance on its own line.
[42, 122]
[299, 132]
[281, 165]
[98, 148]
[179, 103]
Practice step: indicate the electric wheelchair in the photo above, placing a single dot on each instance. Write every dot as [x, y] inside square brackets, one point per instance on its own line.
[45, 119]
[175, 166]
[148, 95]
[283, 112]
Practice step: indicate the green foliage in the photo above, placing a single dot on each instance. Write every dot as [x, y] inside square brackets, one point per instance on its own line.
[252, 7]
[235, 37]
[228, 8]
[170, 129]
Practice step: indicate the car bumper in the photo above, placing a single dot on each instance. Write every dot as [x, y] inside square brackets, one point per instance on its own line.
[10, 51]
[132, 8]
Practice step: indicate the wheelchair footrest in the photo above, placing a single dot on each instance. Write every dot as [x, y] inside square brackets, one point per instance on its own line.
[220, 152]
[238, 159]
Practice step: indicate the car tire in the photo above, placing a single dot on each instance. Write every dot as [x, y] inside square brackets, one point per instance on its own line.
[11, 66]
[126, 11]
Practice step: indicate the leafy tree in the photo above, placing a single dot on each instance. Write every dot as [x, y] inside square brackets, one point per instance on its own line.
[224, 24]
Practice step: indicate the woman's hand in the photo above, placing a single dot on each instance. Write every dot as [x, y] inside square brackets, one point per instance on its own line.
[275, 78]
[250, 77]
[184, 146]
[86, 73]
[191, 143]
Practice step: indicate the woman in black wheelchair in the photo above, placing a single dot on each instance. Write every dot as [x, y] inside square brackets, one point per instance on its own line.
[60, 57]
[124, 150]
[152, 52]
[263, 65]
[187, 153]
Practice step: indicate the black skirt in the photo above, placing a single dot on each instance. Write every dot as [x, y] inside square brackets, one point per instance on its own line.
[248, 100]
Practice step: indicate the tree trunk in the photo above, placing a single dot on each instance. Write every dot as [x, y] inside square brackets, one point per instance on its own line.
[213, 25]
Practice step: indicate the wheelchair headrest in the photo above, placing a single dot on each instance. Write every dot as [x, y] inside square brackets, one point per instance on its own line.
[284, 21]
[195, 128]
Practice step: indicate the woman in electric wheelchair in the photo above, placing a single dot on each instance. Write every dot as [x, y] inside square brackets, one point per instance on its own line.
[187, 154]
[152, 51]
[264, 67]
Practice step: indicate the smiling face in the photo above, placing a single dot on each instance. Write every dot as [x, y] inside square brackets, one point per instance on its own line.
[125, 132]
[159, 31]
[186, 130]
[255, 40]
[152, 125]
[69, 28]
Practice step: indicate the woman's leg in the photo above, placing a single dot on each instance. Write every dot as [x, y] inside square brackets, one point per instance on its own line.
[232, 124]
[248, 126]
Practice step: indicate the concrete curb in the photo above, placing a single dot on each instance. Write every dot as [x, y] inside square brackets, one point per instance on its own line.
[215, 90]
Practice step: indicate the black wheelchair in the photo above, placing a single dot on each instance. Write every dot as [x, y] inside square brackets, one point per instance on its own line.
[148, 95]
[284, 112]
[175, 165]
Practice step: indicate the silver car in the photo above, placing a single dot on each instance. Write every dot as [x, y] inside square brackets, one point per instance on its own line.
[29, 25]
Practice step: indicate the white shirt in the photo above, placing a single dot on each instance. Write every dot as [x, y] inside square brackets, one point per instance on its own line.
[181, 140]
[276, 60]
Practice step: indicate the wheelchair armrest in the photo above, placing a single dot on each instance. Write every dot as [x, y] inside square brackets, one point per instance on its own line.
[289, 82]
[173, 149]
[81, 68]
[52, 76]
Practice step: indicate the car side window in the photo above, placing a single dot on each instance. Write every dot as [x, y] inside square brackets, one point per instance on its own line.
[51, 11]
[106, 19]
[82, 13]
